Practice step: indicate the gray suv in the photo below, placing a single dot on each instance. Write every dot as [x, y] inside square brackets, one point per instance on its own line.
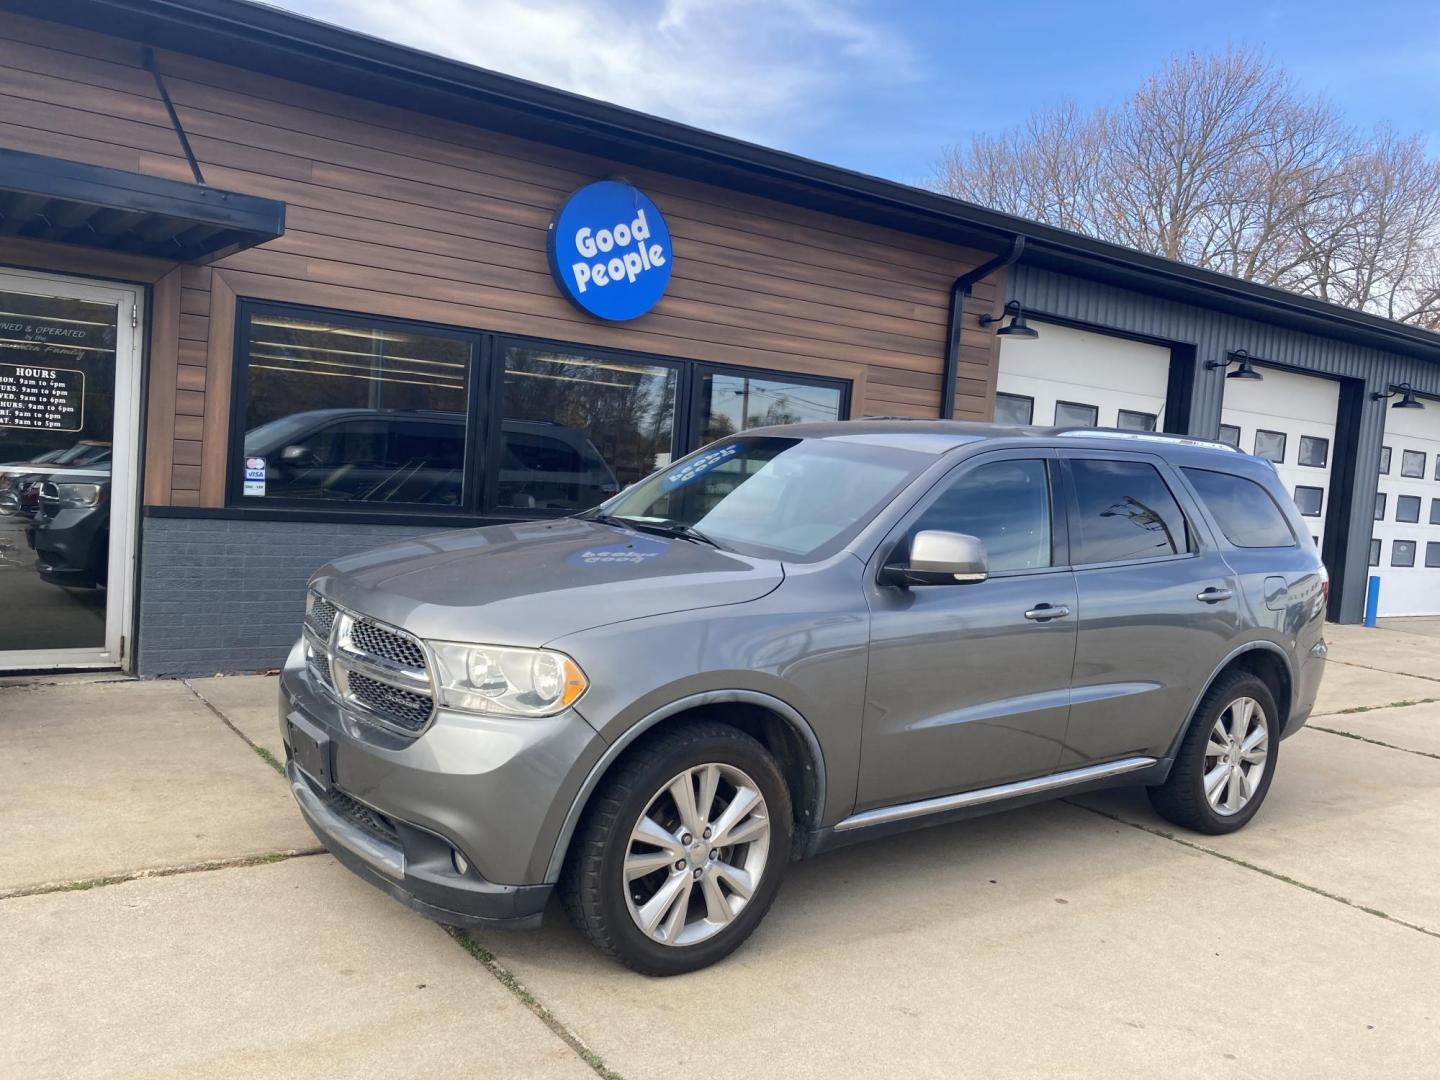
[794, 639]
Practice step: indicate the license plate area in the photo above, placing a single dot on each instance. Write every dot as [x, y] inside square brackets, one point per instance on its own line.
[312, 750]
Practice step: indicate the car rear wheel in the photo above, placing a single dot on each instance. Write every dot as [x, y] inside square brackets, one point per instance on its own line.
[681, 852]
[1226, 760]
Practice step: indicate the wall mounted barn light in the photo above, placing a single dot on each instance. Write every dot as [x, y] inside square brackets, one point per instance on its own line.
[1016, 328]
[1245, 370]
[1406, 393]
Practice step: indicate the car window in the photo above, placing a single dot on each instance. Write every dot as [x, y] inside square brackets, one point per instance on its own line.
[1004, 503]
[1125, 511]
[1244, 510]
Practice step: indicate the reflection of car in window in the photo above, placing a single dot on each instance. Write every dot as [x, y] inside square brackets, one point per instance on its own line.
[71, 528]
[20, 481]
[417, 456]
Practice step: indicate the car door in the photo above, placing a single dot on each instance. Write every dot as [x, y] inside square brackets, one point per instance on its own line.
[968, 683]
[1157, 604]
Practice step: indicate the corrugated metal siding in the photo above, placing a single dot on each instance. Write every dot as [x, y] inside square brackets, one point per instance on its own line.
[1214, 334]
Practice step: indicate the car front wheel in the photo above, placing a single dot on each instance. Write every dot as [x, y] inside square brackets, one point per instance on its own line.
[682, 850]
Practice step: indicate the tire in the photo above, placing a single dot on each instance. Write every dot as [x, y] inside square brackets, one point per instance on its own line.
[608, 907]
[1209, 745]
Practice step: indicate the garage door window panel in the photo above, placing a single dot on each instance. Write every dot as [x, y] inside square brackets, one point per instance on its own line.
[1412, 465]
[1432, 554]
[1076, 414]
[1230, 434]
[1435, 511]
[1314, 451]
[1374, 552]
[1385, 461]
[1380, 506]
[1014, 409]
[1270, 445]
[1407, 509]
[1124, 512]
[1402, 553]
[1130, 420]
[1310, 500]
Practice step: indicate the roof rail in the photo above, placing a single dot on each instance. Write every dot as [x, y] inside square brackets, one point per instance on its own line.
[1146, 436]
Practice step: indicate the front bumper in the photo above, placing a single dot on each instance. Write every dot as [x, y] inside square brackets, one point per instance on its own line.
[397, 809]
[419, 873]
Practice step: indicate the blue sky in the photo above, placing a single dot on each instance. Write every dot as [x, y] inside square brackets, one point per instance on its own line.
[882, 86]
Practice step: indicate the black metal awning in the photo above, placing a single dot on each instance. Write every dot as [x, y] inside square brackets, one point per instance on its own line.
[48, 198]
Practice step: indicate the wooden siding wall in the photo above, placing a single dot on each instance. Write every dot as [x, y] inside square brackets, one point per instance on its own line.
[402, 214]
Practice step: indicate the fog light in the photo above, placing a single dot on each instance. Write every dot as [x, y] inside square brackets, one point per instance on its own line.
[461, 866]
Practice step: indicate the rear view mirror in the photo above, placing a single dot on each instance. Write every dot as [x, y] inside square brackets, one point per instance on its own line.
[941, 558]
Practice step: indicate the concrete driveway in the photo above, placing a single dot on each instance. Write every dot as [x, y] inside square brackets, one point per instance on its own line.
[163, 913]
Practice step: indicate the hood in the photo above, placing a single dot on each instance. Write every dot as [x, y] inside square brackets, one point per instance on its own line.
[530, 583]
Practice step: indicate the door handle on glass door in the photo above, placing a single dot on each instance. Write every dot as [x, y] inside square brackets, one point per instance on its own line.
[1046, 612]
[1214, 595]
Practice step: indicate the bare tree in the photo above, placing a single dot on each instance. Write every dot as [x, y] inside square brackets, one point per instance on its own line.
[1221, 162]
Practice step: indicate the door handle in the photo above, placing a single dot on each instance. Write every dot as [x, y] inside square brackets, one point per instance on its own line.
[1214, 595]
[1046, 612]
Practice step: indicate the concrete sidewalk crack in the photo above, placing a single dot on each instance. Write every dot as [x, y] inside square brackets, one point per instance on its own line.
[83, 884]
[1276, 875]
[1373, 742]
[508, 980]
[1383, 671]
[265, 755]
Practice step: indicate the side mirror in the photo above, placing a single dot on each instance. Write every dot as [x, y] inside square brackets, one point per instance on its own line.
[940, 558]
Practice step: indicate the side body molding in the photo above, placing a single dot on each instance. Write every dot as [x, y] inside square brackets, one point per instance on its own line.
[618, 747]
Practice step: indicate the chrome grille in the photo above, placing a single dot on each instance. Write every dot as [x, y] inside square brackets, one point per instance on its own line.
[379, 669]
[321, 616]
[370, 637]
[402, 707]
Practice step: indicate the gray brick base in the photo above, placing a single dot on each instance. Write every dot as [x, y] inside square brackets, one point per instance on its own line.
[227, 596]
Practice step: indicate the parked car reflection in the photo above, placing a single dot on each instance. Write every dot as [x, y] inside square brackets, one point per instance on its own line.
[70, 530]
[20, 481]
[418, 456]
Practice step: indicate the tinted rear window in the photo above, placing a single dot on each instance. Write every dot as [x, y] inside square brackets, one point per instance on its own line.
[1245, 511]
[1125, 512]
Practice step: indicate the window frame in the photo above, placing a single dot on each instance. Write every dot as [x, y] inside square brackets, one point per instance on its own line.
[1017, 397]
[483, 417]
[245, 308]
[1196, 538]
[1383, 466]
[1404, 454]
[1319, 513]
[1400, 500]
[1055, 416]
[1376, 550]
[1154, 418]
[1382, 502]
[1284, 445]
[1432, 546]
[1300, 452]
[696, 391]
[1059, 512]
[1414, 551]
[1239, 434]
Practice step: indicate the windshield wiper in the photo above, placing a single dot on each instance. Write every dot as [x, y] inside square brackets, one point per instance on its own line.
[676, 529]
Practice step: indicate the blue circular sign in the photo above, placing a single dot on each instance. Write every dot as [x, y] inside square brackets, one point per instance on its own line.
[610, 251]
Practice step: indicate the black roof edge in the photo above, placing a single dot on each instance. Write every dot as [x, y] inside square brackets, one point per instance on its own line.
[269, 40]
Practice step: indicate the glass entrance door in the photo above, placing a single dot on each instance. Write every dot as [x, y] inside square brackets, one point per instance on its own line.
[68, 436]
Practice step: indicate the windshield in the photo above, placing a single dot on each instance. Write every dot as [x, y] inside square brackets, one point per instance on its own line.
[772, 497]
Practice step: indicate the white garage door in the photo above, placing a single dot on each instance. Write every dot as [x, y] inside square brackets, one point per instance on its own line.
[1405, 551]
[1075, 377]
[1290, 419]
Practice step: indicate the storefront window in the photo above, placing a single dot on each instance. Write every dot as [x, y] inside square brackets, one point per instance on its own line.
[731, 403]
[337, 410]
[342, 412]
[580, 427]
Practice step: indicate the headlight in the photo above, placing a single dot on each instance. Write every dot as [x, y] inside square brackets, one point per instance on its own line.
[72, 495]
[505, 681]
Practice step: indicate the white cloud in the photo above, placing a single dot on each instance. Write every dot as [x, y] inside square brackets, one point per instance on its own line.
[758, 69]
